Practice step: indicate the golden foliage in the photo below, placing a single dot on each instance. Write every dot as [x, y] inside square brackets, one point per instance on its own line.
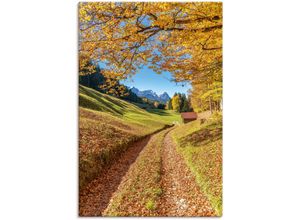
[176, 103]
[182, 38]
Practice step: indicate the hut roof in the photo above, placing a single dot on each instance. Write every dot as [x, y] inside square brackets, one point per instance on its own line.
[189, 115]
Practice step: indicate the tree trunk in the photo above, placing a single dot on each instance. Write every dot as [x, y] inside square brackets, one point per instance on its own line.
[210, 105]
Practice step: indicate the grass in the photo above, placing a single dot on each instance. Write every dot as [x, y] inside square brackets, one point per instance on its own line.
[140, 193]
[150, 205]
[151, 119]
[107, 127]
[167, 115]
[201, 147]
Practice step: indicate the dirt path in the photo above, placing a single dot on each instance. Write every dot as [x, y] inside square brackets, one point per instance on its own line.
[95, 197]
[181, 195]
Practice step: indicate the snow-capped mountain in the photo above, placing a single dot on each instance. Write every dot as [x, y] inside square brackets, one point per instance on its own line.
[164, 97]
[149, 94]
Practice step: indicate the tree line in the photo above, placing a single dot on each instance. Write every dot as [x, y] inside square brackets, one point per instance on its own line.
[180, 103]
[91, 76]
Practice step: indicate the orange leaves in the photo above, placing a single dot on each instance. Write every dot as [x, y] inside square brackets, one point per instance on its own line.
[182, 38]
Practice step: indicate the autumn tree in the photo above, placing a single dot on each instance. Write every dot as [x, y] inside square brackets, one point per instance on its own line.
[169, 105]
[156, 104]
[159, 105]
[184, 39]
[176, 103]
[190, 102]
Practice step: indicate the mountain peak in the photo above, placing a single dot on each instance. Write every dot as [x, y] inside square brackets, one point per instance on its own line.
[165, 97]
[150, 94]
[135, 90]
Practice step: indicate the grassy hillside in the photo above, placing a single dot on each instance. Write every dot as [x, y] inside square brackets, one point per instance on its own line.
[201, 147]
[108, 126]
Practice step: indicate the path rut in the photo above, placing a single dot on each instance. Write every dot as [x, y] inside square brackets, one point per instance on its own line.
[181, 194]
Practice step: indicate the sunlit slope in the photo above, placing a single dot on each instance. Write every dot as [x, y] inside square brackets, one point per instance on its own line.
[201, 147]
[108, 125]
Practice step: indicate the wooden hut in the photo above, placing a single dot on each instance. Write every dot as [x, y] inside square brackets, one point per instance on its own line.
[188, 116]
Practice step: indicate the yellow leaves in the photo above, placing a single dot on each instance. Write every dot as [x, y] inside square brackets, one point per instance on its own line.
[82, 14]
[164, 21]
[181, 38]
[176, 103]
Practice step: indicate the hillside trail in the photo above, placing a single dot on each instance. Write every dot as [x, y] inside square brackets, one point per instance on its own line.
[181, 194]
[95, 197]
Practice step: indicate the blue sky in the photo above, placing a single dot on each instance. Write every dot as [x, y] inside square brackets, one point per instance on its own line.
[147, 79]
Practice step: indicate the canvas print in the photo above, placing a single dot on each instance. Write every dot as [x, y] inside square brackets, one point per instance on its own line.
[150, 108]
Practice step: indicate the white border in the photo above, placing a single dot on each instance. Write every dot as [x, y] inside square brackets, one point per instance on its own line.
[38, 113]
